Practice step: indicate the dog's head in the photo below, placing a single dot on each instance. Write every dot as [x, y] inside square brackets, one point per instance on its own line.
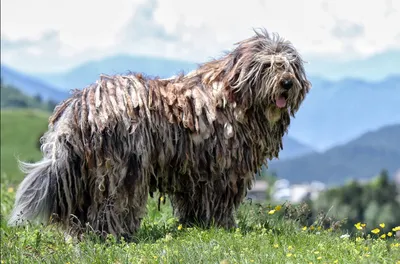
[268, 71]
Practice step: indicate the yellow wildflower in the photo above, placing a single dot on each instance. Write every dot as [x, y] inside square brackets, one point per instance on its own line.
[358, 239]
[395, 229]
[162, 199]
[383, 236]
[180, 227]
[271, 212]
[316, 252]
[336, 261]
[312, 227]
[278, 208]
[276, 245]
[359, 226]
[375, 231]
[319, 227]
[288, 255]
[363, 225]
[290, 248]
[10, 190]
[319, 258]
[304, 228]
[390, 234]
[382, 225]
[251, 260]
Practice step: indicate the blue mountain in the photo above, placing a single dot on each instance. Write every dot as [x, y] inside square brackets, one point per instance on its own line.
[89, 72]
[361, 158]
[336, 112]
[372, 68]
[31, 85]
[292, 148]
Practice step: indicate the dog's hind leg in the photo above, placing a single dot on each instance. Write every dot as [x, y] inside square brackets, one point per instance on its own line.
[120, 203]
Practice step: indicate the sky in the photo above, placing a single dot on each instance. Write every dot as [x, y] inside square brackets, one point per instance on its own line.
[52, 36]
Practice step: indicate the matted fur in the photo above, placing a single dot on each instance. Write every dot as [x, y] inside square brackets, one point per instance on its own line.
[197, 138]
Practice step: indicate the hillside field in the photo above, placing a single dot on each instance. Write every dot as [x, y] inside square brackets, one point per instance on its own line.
[20, 132]
[265, 234]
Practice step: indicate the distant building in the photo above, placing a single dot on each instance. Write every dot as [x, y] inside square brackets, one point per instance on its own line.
[259, 191]
[283, 191]
[296, 193]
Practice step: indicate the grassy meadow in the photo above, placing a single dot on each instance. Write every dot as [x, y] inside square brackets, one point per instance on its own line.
[265, 234]
[20, 132]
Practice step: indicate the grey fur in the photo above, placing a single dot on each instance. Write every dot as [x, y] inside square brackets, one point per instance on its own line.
[198, 139]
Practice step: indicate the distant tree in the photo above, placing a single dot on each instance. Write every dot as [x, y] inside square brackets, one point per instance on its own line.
[38, 98]
[51, 104]
[371, 203]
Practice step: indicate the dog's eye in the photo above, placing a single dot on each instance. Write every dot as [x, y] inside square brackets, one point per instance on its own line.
[267, 65]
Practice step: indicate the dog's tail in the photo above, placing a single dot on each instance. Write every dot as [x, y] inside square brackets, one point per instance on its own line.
[35, 195]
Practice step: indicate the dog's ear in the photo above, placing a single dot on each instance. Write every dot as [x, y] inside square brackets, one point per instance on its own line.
[301, 77]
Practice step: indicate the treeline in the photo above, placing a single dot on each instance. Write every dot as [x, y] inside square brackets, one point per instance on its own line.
[11, 97]
[371, 203]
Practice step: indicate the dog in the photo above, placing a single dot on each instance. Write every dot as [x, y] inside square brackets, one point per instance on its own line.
[198, 139]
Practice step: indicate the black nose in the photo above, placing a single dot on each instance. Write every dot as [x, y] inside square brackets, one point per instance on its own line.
[286, 84]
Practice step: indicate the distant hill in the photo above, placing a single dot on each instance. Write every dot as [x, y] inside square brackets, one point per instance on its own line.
[89, 72]
[336, 112]
[31, 85]
[372, 68]
[361, 158]
[12, 97]
[293, 148]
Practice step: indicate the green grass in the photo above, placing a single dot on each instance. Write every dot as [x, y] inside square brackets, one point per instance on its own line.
[20, 131]
[260, 238]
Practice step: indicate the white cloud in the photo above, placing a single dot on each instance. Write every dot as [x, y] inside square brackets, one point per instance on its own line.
[82, 24]
[190, 30]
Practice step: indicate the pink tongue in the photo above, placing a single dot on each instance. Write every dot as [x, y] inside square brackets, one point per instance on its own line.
[281, 102]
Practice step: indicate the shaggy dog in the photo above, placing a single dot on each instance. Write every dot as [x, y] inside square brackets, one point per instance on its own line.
[197, 138]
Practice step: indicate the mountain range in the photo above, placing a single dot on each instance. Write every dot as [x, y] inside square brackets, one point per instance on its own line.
[89, 72]
[372, 68]
[30, 85]
[334, 112]
[361, 158]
